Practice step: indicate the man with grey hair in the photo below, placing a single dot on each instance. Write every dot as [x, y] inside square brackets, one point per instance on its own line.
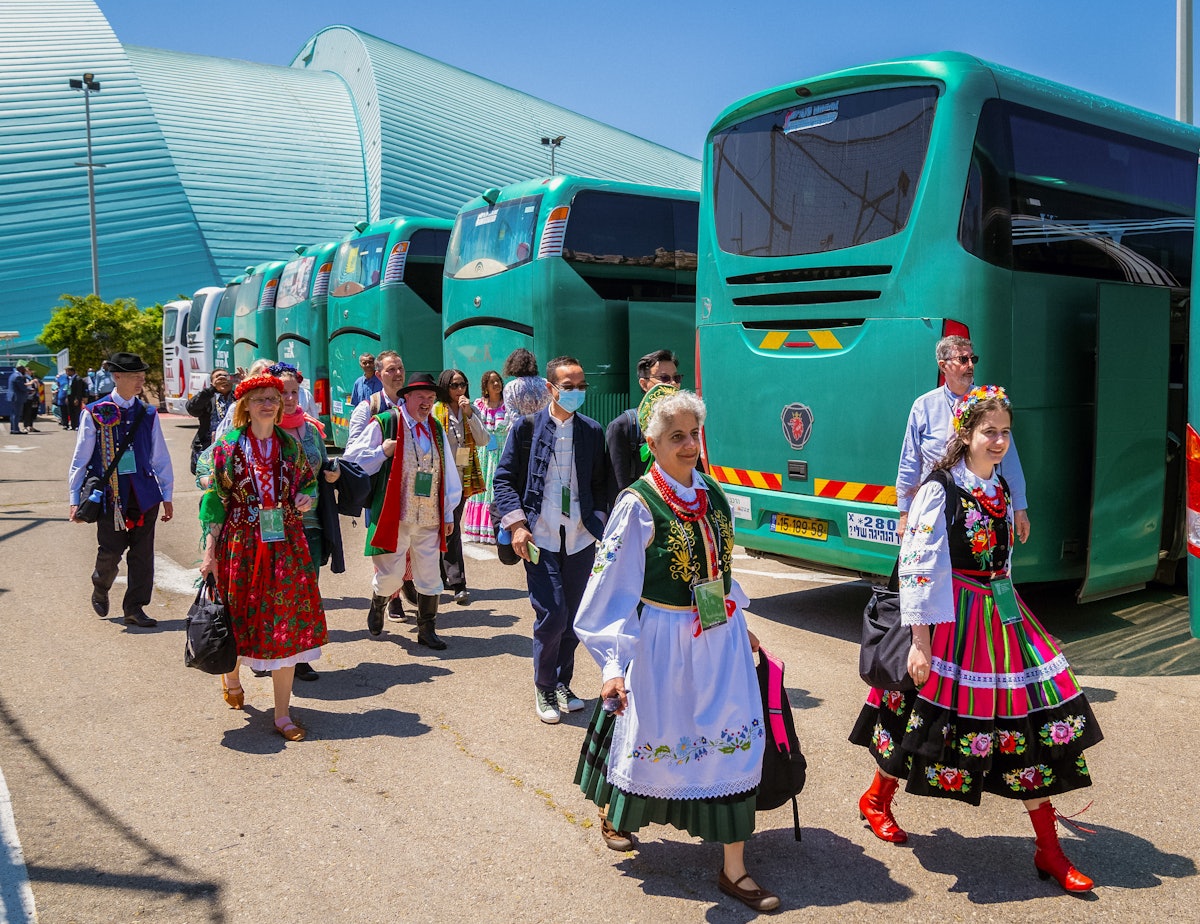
[930, 425]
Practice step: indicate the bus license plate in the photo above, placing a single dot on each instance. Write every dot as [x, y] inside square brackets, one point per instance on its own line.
[804, 527]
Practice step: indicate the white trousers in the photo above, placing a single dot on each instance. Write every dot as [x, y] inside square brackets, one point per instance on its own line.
[425, 543]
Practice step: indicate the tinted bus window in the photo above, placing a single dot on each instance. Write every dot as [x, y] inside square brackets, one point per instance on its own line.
[228, 300]
[194, 315]
[1050, 195]
[493, 239]
[821, 176]
[357, 265]
[293, 284]
[426, 261]
[170, 323]
[632, 247]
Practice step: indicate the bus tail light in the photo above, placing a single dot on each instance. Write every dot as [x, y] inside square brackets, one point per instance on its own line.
[393, 273]
[952, 328]
[552, 235]
[321, 286]
[1192, 449]
[321, 395]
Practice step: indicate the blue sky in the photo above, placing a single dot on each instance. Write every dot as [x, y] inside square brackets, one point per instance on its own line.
[664, 70]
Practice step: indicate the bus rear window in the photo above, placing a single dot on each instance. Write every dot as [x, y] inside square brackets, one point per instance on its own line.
[1046, 194]
[170, 323]
[197, 309]
[357, 265]
[426, 261]
[228, 301]
[821, 176]
[492, 239]
[293, 284]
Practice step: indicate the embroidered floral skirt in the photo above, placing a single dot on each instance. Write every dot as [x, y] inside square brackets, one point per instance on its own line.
[722, 819]
[1001, 711]
[477, 514]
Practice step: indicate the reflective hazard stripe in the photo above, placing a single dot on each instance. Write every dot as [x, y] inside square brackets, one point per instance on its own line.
[855, 491]
[747, 478]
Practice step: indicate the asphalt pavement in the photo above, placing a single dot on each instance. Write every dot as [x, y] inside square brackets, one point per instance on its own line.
[429, 791]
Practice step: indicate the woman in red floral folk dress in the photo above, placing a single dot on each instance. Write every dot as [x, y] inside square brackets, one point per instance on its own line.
[996, 706]
[253, 517]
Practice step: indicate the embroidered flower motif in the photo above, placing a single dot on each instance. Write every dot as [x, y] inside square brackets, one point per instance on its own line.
[606, 554]
[1081, 766]
[923, 528]
[1028, 779]
[695, 749]
[894, 700]
[911, 581]
[1062, 731]
[951, 779]
[977, 745]
[882, 741]
[1011, 742]
[914, 722]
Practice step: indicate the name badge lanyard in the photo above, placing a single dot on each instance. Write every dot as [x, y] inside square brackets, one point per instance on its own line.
[423, 480]
[270, 519]
[565, 491]
[708, 586]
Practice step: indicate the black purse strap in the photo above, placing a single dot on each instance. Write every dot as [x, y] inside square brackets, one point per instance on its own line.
[137, 422]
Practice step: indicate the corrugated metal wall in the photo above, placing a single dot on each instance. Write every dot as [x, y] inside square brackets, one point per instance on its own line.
[446, 135]
[270, 157]
[148, 239]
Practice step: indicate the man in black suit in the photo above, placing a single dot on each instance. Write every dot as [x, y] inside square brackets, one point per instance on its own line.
[550, 491]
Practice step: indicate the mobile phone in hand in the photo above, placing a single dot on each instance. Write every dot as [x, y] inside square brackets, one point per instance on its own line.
[535, 554]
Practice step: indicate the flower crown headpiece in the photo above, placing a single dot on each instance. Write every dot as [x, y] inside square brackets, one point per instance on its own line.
[966, 405]
[285, 369]
[262, 380]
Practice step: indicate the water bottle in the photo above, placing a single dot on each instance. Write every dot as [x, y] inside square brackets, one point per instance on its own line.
[96, 496]
[504, 537]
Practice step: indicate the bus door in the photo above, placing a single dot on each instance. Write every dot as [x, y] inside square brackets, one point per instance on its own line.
[1129, 475]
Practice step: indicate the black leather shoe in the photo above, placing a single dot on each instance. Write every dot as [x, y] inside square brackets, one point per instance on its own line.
[100, 603]
[304, 671]
[395, 608]
[140, 619]
[375, 615]
[409, 589]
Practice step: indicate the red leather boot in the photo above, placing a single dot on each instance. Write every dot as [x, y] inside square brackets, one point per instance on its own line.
[875, 807]
[1049, 857]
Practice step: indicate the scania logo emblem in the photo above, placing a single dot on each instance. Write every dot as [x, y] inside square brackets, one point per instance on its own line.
[797, 422]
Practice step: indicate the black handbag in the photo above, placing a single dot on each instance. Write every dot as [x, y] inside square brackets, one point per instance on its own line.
[89, 509]
[504, 550]
[883, 657]
[209, 644]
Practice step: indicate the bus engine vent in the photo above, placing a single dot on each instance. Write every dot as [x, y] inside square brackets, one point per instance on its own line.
[810, 274]
[820, 297]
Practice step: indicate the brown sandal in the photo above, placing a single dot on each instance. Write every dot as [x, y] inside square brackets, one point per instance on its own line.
[620, 841]
[758, 899]
[234, 696]
[290, 730]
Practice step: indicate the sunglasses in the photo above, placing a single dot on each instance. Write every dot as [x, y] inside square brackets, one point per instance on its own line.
[964, 359]
[665, 379]
[457, 385]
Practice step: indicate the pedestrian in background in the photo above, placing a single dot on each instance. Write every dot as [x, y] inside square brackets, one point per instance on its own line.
[996, 706]
[77, 389]
[493, 413]
[140, 482]
[662, 616]
[252, 517]
[209, 406]
[18, 394]
[628, 455]
[366, 384]
[527, 392]
[465, 433]
[62, 383]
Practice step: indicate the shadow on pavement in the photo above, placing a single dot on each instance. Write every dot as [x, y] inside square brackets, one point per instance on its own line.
[996, 869]
[258, 737]
[369, 678]
[160, 879]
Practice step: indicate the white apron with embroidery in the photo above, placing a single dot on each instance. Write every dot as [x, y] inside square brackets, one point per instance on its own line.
[694, 726]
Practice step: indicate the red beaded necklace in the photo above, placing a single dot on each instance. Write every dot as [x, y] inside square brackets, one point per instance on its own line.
[997, 506]
[688, 511]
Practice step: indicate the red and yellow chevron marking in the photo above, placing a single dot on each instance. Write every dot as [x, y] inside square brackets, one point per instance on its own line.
[746, 478]
[776, 340]
[855, 491]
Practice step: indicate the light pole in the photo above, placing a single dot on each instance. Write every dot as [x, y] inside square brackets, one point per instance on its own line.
[89, 86]
[1183, 60]
[553, 143]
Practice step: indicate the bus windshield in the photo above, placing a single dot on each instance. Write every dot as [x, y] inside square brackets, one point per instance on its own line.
[823, 175]
[247, 297]
[293, 284]
[193, 323]
[170, 323]
[490, 240]
[358, 265]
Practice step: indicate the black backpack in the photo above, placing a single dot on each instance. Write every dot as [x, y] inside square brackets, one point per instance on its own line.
[784, 768]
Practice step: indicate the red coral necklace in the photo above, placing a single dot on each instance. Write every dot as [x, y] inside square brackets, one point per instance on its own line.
[996, 506]
[688, 511]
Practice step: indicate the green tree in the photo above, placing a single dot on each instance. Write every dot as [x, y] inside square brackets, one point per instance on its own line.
[92, 330]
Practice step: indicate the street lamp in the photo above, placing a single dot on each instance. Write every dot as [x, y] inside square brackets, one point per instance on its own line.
[553, 143]
[89, 86]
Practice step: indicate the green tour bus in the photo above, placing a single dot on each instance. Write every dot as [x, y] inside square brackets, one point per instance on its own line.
[301, 325]
[851, 220]
[601, 270]
[254, 314]
[385, 294]
[222, 339]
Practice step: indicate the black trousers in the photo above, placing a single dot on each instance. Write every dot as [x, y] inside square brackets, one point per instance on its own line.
[454, 576]
[137, 545]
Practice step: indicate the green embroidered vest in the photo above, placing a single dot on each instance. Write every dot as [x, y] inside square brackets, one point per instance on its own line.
[670, 566]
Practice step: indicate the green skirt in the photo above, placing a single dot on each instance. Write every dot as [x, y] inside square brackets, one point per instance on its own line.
[723, 819]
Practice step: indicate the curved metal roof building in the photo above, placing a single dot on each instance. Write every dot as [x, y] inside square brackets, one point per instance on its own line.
[193, 188]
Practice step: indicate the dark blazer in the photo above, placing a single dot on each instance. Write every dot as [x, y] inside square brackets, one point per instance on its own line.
[625, 442]
[520, 479]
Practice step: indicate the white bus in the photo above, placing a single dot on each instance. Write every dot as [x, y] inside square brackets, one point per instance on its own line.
[201, 320]
[174, 333]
